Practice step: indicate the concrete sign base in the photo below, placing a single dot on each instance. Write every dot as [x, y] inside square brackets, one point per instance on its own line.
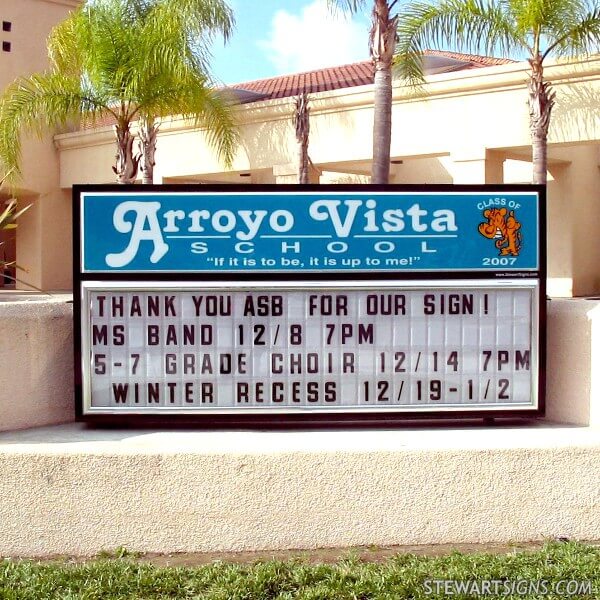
[71, 490]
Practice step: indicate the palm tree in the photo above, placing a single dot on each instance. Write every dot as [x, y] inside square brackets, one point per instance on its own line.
[302, 125]
[128, 60]
[540, 28]
[382, 43]
[198, 22]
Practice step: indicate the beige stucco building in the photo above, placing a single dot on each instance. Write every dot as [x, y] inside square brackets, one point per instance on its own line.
[468, 124]
[43, 243]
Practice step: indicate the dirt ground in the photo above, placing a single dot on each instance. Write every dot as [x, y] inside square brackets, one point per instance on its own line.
[329, 555]
[313, 556]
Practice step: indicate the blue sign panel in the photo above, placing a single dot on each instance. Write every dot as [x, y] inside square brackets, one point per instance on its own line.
[309, 231]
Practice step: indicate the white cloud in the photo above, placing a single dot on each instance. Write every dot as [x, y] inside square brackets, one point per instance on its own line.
[313, 39]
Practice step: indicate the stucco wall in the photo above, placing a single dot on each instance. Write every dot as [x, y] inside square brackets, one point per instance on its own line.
[43, 239]
[70, 491]
[461, 115]
[36, 363]
[573, 358]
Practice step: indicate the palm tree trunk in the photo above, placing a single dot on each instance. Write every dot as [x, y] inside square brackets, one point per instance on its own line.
[541, 101]
[382, 45]
[148, 133]
[126, 165]
[302, 123]
[382, 126]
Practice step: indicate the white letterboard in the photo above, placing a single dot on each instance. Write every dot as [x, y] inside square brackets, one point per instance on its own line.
[273, 347]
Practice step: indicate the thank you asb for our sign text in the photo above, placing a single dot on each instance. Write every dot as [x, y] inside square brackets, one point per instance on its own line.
[326, 231]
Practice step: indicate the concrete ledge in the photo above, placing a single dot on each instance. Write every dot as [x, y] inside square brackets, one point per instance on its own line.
[573, 361]
[36, 358]
[70, 490]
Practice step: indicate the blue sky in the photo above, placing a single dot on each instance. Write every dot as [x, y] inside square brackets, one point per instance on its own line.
[274, 37]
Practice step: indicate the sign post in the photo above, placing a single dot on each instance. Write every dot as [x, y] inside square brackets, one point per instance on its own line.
[322, 303]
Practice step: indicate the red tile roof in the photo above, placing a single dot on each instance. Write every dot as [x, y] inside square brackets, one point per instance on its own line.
[332, 78]
[476, 60]
[345, 76]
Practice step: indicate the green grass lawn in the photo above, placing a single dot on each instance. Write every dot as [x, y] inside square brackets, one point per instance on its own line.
[534, 574]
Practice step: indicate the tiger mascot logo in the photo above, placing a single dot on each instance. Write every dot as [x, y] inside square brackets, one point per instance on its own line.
[502, 226]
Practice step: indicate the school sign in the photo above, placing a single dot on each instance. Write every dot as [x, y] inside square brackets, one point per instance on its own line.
[320, 303]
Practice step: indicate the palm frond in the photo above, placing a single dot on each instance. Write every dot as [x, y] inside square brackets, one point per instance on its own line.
[6, 215]
[218, 120]
[351, 6]
[66, 49]
[580, 38]
[205, 18]
[535, 17]
[195, 99]
[38, 103]
[213, 112]
[473, 26]
[10, 214]
[408, 57]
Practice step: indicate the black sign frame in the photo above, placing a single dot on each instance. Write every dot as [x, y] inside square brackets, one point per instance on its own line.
[297, 419]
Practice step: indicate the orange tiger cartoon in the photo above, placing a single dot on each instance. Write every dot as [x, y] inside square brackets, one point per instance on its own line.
[504, 228]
